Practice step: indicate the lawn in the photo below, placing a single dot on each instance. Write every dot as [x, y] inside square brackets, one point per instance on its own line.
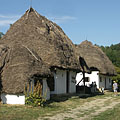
[112, 114]
[60, 105]
[12, 112]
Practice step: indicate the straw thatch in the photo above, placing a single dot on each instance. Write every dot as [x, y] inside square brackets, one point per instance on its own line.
[33, 44]
[19, 65]
[95, 58]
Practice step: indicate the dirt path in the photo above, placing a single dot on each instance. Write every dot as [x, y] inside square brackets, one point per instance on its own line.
[87, 110]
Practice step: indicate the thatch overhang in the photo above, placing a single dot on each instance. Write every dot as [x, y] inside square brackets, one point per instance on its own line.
[54, 68]
[95, 58]
[19, 66]
[34, 45]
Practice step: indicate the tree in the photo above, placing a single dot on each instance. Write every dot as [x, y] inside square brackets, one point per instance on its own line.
[117, 77]
[113, 53]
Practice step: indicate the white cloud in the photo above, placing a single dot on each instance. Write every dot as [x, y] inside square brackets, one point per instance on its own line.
[62, 19]
[6, 20]
[9, 17]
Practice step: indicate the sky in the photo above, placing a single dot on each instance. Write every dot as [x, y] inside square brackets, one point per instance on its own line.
[97, 21]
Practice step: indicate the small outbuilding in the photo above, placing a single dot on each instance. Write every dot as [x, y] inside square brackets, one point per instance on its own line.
[99, 64]
[33, 49]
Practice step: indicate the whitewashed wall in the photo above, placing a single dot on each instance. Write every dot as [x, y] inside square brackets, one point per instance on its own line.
[20, 98]
[72, 83]
[60, 78]
[93, 77]
[108, 81]
[13, 99]
[102, 81]
[60, 82]
[46, 90]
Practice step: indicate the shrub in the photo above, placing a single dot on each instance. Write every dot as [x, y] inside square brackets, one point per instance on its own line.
[35, 97]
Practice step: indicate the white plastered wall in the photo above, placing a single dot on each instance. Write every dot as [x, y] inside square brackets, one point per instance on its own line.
[108, 80]
[60, 82]
[20, 98]
[93, 77]
[60, 77]
[102, 81]
[72, 82]
[13, 99]
[46, 90]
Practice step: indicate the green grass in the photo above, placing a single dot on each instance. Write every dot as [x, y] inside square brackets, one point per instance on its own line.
[86, 112]
[60, 105]
[69, 118]
[112, 114]
[8, 112]
[17, 113]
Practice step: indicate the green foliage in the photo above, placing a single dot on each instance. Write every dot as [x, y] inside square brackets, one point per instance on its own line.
[34, 98]
[110, 114]
[117, 78]
[21, 112]
[117, 70]
[113, 52]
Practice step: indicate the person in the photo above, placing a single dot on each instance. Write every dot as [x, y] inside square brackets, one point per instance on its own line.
[92, 88]
[95, 87]
[115, 87]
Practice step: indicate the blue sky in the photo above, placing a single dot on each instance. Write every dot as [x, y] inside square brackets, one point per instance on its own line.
[95, 20]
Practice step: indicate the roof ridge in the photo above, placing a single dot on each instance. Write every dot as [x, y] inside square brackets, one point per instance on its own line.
[32, 10]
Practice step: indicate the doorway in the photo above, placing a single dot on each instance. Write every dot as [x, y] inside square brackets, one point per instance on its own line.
[67, 81]
[105, 83]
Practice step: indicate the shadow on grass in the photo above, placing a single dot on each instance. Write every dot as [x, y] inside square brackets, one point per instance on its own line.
[65, 97]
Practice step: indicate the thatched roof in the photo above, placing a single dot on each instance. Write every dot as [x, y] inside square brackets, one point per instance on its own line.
[34, 44]
[19, 65]
[95, 58]
[43, 36]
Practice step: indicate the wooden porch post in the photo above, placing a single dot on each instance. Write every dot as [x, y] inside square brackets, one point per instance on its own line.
[84, 80]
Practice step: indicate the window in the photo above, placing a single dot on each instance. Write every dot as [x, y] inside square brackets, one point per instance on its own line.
[87, 79]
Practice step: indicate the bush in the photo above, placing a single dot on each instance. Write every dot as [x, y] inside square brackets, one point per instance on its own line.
[35, 97]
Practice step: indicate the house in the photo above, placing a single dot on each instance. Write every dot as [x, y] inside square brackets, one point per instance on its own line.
[33, 49]
[19, 67]
[100, 66]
